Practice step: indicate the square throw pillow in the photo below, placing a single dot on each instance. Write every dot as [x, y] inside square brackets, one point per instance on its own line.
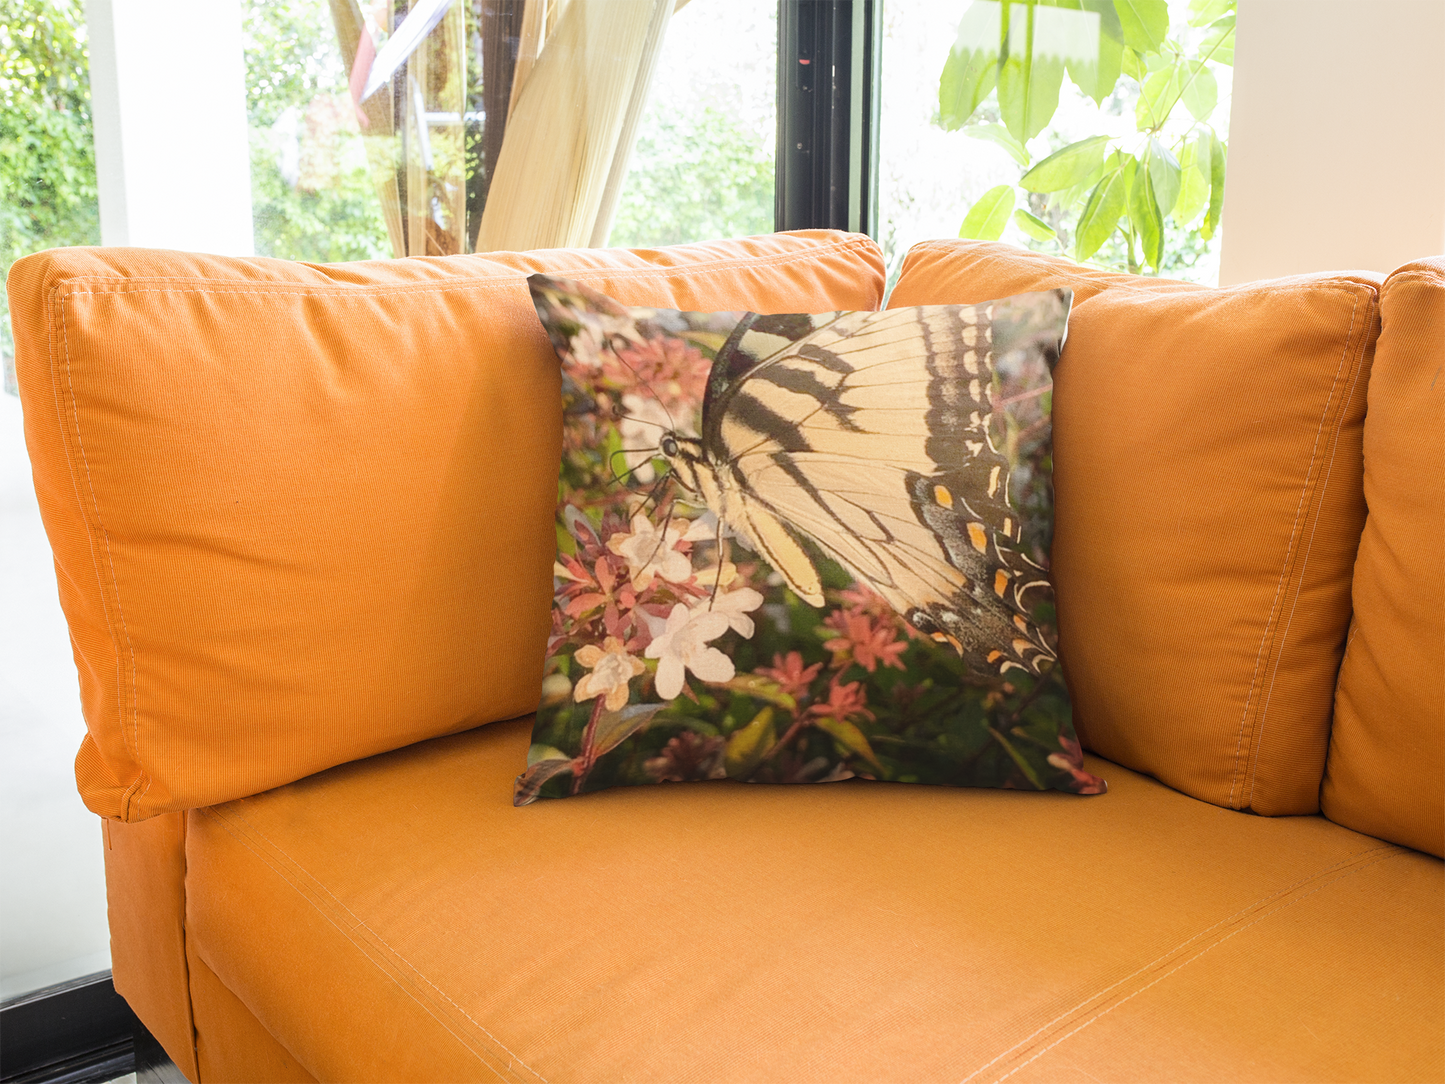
[803, 548]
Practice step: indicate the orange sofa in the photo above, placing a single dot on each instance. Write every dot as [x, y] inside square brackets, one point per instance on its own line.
[302, 524]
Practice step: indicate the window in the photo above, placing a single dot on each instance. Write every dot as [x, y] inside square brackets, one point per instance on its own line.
[704, 161]
[1088, 128]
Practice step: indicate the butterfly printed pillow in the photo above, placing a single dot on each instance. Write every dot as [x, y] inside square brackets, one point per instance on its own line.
[803, 548]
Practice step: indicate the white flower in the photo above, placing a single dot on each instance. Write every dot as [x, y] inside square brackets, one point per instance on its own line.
[649, 552]
[681, 642]
[735, 606]
[705, 529]
[612, 669]
[643, 423]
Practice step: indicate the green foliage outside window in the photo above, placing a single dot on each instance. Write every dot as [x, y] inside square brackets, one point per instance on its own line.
[312, 194]
[47, 154]
[1152, 197]
[694, 177]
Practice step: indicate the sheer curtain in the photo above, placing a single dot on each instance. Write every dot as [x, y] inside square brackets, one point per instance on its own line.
[539, 158]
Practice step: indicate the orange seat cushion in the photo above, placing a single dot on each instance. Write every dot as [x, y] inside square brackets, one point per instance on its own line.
[1386, 770]
[397, 919]
[303, 514]
[1209, 503]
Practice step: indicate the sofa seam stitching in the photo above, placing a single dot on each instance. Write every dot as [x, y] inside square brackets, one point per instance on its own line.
[128, 802]
[1291, 553]
[490, 282]
[1209, 948]
[224, 817]
[1352, 857]
[1322, 489]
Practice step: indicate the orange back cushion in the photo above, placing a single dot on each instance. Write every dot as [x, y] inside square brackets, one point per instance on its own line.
[304, 514]
[1386, 770]
[1209, 503]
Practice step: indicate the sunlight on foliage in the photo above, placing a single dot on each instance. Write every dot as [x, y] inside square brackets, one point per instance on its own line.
[1129, 199]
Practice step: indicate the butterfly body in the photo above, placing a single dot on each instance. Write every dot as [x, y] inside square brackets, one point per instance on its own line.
[869, 435]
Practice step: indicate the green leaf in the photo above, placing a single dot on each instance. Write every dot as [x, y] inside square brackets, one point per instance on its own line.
[1028, 85]
[1163, 175]
[1097, 78]
[1204, 12]
[1034, 226]
[1145, 23]
[544, 752]
[1107, 203]
[1067, 167]
[1132, 65]
[850, 738]
[615, 727]
[1157, 97]
[747, 745]
[761, 688]
[1216, 189]
[1200, 93]
[1218, 42]
[1144, 214]
[971, 69]
[537, 774]
[997, 133]
[1193, 179]
[987, 218]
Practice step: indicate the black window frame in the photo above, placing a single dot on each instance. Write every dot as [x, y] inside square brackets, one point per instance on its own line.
[829, 54]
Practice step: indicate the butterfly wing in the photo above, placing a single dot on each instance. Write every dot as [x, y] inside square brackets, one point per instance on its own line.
[870, 434]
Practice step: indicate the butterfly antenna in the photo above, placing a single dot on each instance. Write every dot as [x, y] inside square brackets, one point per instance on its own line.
[621, 479]
[671, 422]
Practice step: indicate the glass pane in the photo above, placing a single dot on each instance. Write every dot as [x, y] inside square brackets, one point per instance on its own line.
[430, 127]
[703, 164]
[47, 167]
[313, 196]
[1126, 173]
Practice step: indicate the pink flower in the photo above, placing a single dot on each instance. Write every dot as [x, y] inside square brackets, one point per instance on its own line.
[673, 368]
[792, 676]
[844, 701]
[864, 642]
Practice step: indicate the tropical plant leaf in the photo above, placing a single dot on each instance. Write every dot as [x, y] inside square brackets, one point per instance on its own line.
[747, 745]
[1144, 214]
[987, 218]
[1218, 42]
[1145, 23]
[1067, 167]
[1194, 161]
[997, 133]
[850, 738]
[1200, 93]
[1132, 65]
[1164, 175]
[971, 69]
[1028, 85]
[1034, 226]
[1204, 12]
[1107, 203]
[1157, 96]
[1216, 189]
[1097, 77]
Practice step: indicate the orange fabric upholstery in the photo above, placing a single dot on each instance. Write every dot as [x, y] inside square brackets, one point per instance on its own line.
[145, 892]
[1207, 469]
[858, 931]
[1386, 770]
[304, 514]
[231, 1045]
